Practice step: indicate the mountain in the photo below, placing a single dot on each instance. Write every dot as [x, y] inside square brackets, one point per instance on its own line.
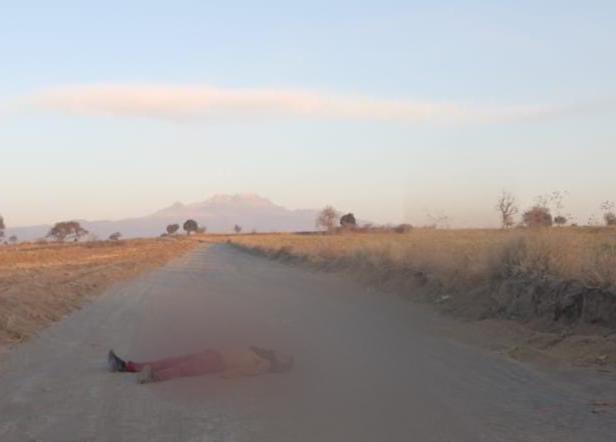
[218, 213]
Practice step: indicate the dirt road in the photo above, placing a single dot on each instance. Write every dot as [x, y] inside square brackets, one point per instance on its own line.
[369, 368]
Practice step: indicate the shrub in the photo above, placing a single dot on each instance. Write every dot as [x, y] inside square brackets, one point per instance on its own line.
[610, 218]
[560, 220]
[402, 228]
[348, 221]
[115, 236]
[537, 216]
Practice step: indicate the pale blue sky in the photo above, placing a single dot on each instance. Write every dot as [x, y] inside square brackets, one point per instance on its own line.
[390, 109]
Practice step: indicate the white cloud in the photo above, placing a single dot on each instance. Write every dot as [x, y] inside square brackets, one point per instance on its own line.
[182, 102]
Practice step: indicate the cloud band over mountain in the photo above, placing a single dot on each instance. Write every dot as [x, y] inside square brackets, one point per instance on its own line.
[195, 102]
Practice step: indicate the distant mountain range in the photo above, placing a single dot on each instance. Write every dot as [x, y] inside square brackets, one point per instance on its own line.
[218, 214]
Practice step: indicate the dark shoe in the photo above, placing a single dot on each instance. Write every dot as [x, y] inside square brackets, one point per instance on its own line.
[115, 363]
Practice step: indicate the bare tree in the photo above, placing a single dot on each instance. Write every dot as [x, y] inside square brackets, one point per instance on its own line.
[326, 219]
[190, 225]
[555, 201]
[172, 228]
[237, 228]
[65, 229]
[438, 221]
[507, 206]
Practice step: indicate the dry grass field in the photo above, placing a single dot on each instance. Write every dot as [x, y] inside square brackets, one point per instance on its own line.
[462, 258]
[40, 283]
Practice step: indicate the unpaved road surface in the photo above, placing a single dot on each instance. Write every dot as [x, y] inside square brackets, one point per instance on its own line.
[370, 367]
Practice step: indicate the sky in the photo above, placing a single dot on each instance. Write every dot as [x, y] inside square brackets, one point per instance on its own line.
[397, 111]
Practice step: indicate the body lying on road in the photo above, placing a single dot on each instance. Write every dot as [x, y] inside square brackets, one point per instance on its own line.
[229, 363]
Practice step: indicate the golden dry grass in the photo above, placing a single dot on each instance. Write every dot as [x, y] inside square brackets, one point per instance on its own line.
[40, 283]
[462, 257]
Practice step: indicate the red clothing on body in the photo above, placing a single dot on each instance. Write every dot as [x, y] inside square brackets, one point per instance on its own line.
[196, 364]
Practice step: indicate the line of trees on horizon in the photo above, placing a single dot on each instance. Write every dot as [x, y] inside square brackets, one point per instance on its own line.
[330, 220]
[547, 210]
[191, 226]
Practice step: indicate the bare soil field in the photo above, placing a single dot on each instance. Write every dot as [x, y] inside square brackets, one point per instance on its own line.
[41, 283]
[547, 295]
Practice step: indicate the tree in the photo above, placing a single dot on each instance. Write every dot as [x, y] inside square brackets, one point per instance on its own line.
[348, 221]
[237, 228]
[537, 216]
[65, 229]
[327, 218]
[13, 239]
[507, 206]
[172, 228]
[554, 202]
[190, 226]
[560, 220]
[115, 236]
[609, 216]
[2, 227]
